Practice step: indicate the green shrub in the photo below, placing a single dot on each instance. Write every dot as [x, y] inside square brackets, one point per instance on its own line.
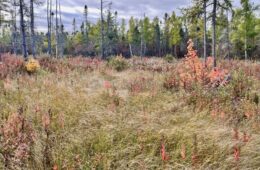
[118, 63]
[169, 58]
[240, 85]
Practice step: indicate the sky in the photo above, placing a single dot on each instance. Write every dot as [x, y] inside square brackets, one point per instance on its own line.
[125, 8]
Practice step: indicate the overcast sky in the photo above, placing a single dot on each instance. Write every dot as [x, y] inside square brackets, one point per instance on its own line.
[126, 8]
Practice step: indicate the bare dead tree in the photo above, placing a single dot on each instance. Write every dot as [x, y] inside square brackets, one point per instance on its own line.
[61, 33]
[228, 41]
[102, 30]
[214, 15]
[14, 26]
[205, 30]
[49, 11]
[32, 28]
[57, 32]
[22, 25]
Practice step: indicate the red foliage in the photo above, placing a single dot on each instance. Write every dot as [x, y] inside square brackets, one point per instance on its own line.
[236, 153]
[17, 139]
[10, 65]
[84, 63]
[55, 167]
[194, 158]
[249, 68]
[107, 85]
[46, 120]
[194, 71]
[183, 152]
[140, 84]
[67, 65]
[246, 137]
[236, 134]
[218, 77]
[52, 65]
[164, 156]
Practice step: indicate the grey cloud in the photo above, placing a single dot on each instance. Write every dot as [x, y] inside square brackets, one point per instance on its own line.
[125, 8]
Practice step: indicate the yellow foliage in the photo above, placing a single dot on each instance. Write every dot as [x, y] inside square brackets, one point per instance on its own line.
[32, 65]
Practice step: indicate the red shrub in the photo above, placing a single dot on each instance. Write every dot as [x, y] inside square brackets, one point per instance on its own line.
[84, 63]
[249, 68]
[236, 153]
[140, 84]
[17, 139]
[192, 71]
[53, 65]
[67, 65]
[10, 65]
[164, 156]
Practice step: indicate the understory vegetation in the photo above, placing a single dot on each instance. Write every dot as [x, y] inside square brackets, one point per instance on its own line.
[140, 113]
[105, 85]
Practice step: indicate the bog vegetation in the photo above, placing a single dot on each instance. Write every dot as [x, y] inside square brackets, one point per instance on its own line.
[218, 28]
[148, 97]
[82, 113]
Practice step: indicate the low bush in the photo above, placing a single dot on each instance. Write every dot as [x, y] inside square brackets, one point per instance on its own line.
[10, 65]
[118, 63]
[86, 64]
[169, 58]
[140, 84]
[32, 65]
[69, 64]
[52, 65]
[192, 71]
[17, 139]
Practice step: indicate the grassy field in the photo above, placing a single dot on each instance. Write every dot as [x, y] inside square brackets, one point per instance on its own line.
[84, 114]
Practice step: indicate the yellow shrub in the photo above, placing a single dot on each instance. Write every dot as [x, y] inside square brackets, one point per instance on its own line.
[32, 65]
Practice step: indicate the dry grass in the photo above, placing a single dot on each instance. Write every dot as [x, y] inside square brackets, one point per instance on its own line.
[123, 125]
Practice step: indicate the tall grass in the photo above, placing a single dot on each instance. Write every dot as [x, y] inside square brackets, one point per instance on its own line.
[80, 118]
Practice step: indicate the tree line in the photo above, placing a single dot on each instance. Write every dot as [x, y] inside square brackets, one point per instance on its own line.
[217, 28]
